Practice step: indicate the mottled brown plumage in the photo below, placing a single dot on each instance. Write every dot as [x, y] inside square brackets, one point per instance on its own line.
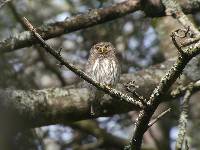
[103, 67]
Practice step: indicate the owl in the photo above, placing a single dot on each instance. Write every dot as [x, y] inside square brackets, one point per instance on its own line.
[102, 66]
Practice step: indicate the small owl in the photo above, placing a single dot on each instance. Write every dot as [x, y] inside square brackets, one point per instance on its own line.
[103, 67]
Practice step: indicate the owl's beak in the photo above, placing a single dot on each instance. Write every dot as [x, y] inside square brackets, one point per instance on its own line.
[102, 50]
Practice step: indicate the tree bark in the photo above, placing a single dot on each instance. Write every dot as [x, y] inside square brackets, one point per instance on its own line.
[152, 8]
[21, 109]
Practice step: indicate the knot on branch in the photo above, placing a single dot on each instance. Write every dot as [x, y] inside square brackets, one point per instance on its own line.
[183, 38]
[184, 33]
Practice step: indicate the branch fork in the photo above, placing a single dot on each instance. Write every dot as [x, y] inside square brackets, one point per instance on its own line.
[185, 55]
[131, 87]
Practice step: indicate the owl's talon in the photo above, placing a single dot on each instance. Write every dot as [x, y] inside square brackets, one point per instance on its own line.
[92, 113]
[92, 110]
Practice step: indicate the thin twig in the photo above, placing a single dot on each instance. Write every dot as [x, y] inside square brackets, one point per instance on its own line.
[112, 92]
[159, 117]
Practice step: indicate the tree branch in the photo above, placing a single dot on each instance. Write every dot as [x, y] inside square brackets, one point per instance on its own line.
[166, 82]
[82, 21]
[89, 19]
[23, 109]
[183, 119]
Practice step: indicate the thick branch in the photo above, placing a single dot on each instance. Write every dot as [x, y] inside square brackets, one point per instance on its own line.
[82, 21]
[34, 108]
[91, 18]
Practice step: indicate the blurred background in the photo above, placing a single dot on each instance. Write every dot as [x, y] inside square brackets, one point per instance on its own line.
[140, 43]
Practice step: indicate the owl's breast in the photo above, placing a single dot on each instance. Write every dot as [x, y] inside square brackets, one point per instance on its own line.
[105, 71]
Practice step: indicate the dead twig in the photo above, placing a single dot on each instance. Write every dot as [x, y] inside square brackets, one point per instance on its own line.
[159, 117]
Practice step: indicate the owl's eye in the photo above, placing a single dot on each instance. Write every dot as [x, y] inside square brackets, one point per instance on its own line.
[98, 47]
[106, 46]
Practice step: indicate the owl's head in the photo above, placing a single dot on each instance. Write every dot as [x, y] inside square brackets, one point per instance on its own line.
[103, 48]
